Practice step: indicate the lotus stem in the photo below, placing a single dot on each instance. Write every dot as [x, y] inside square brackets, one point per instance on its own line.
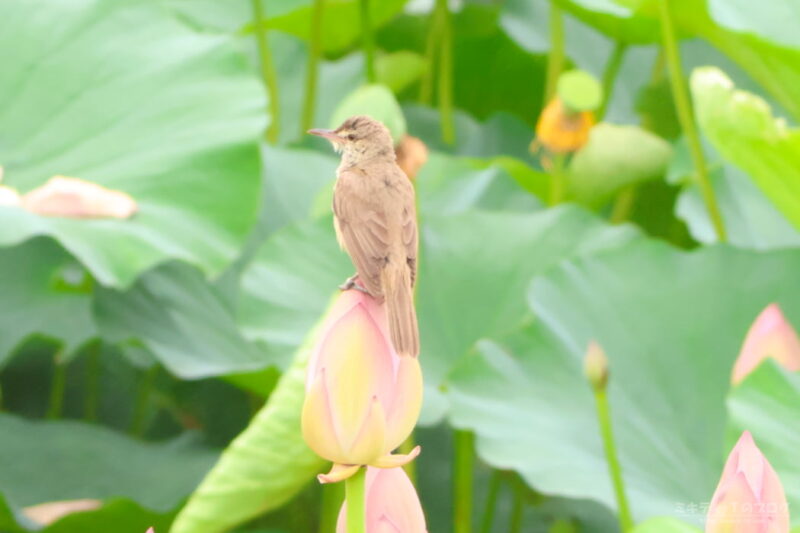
[267, 72]
[683, 107]
[463, 480]
[356, 501]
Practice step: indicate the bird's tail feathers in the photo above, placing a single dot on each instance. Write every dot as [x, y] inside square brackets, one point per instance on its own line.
[401, 312]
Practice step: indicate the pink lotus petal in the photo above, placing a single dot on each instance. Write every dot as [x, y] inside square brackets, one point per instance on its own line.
[749, 497]
[392, 504]
[76, 198]
[771, 336]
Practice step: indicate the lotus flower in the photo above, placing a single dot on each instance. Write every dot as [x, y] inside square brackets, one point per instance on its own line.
[749, 497]
[769, 336]
[392, 504]
[362, 398]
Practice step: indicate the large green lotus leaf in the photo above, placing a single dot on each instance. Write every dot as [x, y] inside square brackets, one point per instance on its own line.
[742, 129]
[44, 292]
[341, 26]
[767, 404]
[775, 21]
[119, 516]
[474, 267]
[122, 94]
[671, 324]
[264, 467]
[662, 524]
[447, 185]
[502, 134]
[67, 460]
[292, 180]
[751, 220]
[181, 319]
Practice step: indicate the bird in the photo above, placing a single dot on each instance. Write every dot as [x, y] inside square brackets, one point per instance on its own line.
[374, 214]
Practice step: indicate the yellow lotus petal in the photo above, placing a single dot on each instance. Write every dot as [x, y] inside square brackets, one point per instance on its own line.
[338, 473]
[358, 368]
[393, 461]
[369, 443]
[317, 425]
[406, 403]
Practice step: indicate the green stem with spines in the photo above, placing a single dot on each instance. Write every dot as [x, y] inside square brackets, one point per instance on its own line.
[683, 107]
[314, 54]
[92, 386]
[446, 74]
[614, 468]
[517, 511]
[57, 386]
[356, 501]
[368, 41]
[143, 395]
[491, 502]
[463, 459]
[267, 72]
[555, 58]
[610, 76]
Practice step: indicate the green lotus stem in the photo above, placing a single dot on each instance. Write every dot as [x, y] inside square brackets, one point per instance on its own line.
[555, 58]
[623, 205]
[92, 392]
[614, 469]
[446, 74]
[683, 107]
[332, 497]
[517, 511]
[463, 442]
[267, 72]
[491, 502]
[610, 76]
[314, 54]
[558, 179]
[57, 386]
[368, 41]
[356, 501]
[431, 47]
[143, 394]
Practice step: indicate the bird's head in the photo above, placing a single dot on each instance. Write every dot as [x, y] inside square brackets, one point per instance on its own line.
[359, 138]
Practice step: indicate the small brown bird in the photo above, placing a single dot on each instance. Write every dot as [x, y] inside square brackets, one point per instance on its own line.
[376, 222]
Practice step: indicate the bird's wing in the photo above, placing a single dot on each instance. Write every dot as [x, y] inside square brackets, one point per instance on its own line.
[363, 230]
[409, 232]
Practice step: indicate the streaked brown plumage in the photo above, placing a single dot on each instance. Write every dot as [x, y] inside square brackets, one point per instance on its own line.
[376, 222]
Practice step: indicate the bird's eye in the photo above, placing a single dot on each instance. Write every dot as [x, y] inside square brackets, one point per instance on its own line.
[351, 137]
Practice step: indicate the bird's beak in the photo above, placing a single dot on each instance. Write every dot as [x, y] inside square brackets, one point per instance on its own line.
[328, 134]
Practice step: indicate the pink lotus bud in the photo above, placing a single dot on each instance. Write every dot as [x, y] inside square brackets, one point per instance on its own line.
[749, 497]
[151, 530]
[68, 197]
[392, 504]
[769, 336]
[362, 399]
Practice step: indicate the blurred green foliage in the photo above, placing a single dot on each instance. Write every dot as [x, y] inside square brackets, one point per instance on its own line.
[133, 352]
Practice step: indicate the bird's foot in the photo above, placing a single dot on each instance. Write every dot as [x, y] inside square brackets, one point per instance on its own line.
[352, 283]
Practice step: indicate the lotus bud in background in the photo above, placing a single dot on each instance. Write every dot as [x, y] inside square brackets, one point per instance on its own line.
[412, 154]
[595, 366]
[771, 335]
[749, 497]
[69, 197]
[392, 504]
[362, 398]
